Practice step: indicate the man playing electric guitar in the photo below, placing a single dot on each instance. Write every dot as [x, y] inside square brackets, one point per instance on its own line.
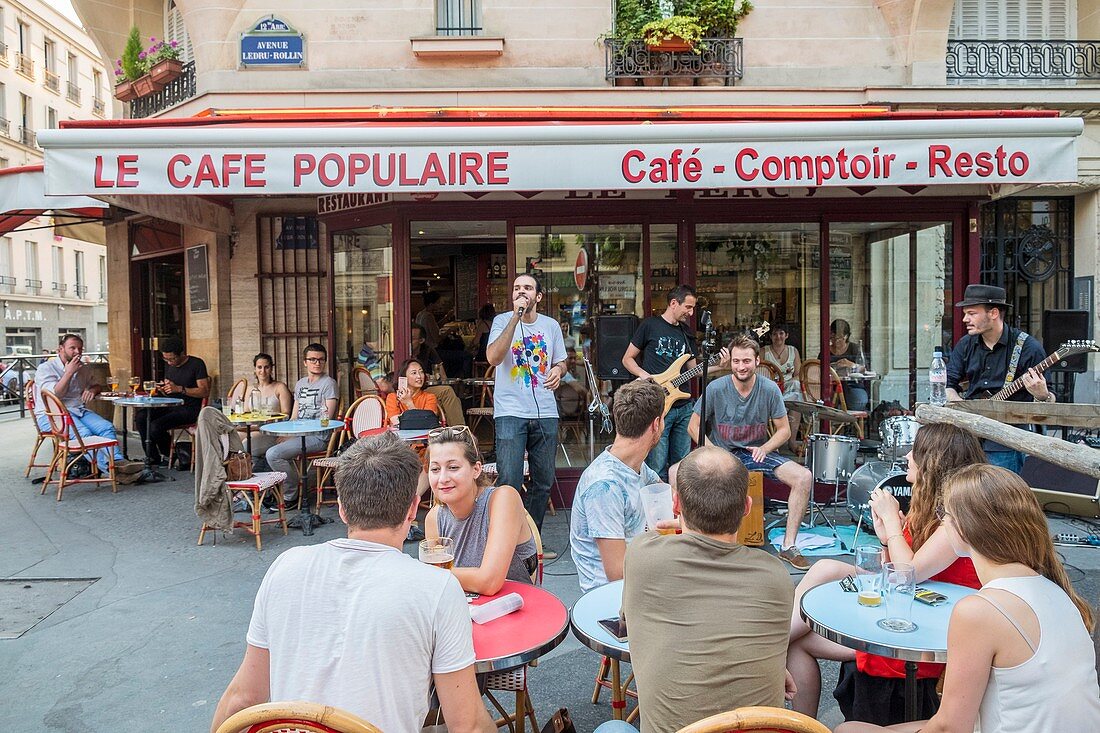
[991, 355]
[660, 341]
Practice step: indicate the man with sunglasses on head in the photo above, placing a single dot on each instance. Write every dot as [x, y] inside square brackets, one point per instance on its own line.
[314, 398]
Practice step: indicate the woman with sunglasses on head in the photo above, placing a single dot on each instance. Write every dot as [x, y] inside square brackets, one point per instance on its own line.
[274, 394]
[1020, 656]
[411, 396]
[492, 538]
[873, 690]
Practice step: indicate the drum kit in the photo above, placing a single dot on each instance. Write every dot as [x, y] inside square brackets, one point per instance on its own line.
[832, 460]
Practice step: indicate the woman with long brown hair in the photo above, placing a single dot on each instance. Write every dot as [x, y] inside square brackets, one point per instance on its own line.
[873, 690]
[1021, 658]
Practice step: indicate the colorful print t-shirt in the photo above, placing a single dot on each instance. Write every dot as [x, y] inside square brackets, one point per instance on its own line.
[535, 347]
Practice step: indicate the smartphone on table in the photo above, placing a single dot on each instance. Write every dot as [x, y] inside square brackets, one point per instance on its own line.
[614, 626]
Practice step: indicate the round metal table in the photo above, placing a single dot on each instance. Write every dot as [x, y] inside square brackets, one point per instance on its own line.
[599, 603]
[149, 404]
[834, 614]
[302, 429]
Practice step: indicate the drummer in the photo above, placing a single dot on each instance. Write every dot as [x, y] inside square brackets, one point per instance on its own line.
[740, 409]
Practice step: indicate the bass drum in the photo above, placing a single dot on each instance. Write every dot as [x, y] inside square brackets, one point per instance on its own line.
[873, 475]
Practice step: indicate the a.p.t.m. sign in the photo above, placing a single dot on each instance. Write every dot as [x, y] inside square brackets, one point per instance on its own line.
[271, 43]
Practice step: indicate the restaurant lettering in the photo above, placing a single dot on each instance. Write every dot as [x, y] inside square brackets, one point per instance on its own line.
[424, 170]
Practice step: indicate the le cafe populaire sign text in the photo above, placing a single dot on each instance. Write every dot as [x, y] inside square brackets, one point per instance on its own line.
[317, 169]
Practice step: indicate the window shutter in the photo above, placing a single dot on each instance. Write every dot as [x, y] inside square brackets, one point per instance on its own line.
[176, 31]
[1014, 19]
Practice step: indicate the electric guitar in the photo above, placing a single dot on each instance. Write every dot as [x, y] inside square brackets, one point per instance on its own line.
[672, 378]
[1065, 351]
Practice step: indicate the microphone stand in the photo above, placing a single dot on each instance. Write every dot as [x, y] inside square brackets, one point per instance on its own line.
[705, 351]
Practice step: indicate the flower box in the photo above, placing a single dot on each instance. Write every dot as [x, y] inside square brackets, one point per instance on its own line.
[673, 44]
[145, 85]
[124, 91]
[166, 71]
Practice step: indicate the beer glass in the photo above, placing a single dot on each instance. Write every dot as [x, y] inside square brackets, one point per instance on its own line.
[439, 552]
[899, 581]
[869, 575]
[657, 504]
[150, 387]
[133, 383]
[113, 381]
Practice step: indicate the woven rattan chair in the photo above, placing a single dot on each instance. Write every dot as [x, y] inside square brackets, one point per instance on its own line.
[295, 717]
[70, 445]
[43, 435]
[760, 718]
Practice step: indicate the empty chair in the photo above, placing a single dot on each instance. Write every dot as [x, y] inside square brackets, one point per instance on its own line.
[295, 717]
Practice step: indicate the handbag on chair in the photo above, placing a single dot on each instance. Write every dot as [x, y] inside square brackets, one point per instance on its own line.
[238, 466]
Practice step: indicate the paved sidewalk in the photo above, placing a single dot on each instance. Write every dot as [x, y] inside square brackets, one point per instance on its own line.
[153, 642]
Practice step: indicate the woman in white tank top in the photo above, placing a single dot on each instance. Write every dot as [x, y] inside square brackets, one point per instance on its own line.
[1020, 655]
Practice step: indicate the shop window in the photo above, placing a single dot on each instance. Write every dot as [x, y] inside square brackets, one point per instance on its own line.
[364, 291]
[664, 268]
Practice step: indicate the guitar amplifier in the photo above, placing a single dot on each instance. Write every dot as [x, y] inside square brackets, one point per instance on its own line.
[613, 334]
[1061, 490]
[1060, 326]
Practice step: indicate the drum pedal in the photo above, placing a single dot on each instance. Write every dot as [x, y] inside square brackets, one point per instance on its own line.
[1072, 540]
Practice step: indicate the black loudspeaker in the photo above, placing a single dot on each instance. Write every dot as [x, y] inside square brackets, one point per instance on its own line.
[613, 334]
[1060, 326]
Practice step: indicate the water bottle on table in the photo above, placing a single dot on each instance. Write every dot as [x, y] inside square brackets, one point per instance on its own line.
[937, 379]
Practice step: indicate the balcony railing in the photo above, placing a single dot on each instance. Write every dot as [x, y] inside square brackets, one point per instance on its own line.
[80, 290]
[72, 93]
[60, 288]
[34, 287]
[3, 54]
[5, 127]
[7, 284]
[178, 90]
[1008, 60]
[51, 81]
[24, 65]
[99, 107]
[27, 137]
[714, 62]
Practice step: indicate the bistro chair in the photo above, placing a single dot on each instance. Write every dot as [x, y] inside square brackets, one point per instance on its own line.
[43, 435]
[295, 717]
[361, 382]
[70, 445]
[254, 490]
[771, 371]
[365, 416]
[178, 435]
[810, 377]
[239, 391]
[484, 410]
[515, 680]
[756, 718]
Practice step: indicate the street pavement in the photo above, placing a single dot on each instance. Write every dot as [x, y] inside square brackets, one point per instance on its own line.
[157, 631]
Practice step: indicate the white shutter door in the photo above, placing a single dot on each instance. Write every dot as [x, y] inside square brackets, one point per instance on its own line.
[1014, 19]
[176, 31]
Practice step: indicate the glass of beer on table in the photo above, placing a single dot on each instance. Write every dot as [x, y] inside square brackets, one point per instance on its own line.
[868, 564]
[113, 381]
[438, 551]
[134, 383]
[657, 504]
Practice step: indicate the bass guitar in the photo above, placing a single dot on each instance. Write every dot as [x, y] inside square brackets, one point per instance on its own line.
[1065, 351]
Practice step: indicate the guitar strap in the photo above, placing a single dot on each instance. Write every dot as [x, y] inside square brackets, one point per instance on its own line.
[1015, 360]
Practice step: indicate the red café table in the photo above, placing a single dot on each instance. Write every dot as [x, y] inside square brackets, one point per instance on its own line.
[514, 640]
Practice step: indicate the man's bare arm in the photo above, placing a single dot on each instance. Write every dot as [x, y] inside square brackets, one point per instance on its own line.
[250, 686]
[461, 704]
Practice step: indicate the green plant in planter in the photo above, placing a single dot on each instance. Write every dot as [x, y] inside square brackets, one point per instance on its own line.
[719, 18]
[685, 28]
[133, 62]
[630, 17]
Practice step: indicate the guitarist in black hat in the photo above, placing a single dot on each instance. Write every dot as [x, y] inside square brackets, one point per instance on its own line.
[992, 355]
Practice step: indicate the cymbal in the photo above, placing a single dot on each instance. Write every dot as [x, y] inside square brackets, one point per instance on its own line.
[823, 412]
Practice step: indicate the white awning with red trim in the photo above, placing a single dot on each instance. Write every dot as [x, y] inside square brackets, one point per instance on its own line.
[293, 156]
[23, 198]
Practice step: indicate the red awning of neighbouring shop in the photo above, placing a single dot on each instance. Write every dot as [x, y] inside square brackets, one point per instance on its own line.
[412, 150]
[23, 199]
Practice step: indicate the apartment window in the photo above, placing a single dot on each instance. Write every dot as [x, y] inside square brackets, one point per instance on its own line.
[7, 267]
[51, 118]
[78, 262]
[33, 284]
[176, 31]
[1021, 20]
[4, 163]
[5, 126]
[24, 64]
[24, 37]
[3, 44]
[458, 17]
[72, 86]
[25, 134]
[102, 277]
[49, 74]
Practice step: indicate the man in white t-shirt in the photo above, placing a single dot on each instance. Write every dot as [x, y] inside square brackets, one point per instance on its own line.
[528, 352]
[357, 624]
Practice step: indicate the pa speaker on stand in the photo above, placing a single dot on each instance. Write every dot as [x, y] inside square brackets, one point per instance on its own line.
[613, 334]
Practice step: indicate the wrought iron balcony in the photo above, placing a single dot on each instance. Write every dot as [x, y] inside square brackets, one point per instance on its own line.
[27, 137]
[24, 65]
[7, 284]
[99, 107]
[178, 90]
[1008, 60]
[51, 81]
[72, 93]
[5, 127]
[81, 290]
[60, 288]
[34, 287]
[714, 62]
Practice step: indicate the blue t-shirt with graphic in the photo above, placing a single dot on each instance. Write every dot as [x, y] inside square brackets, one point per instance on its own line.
[518, 381]
[607, 505]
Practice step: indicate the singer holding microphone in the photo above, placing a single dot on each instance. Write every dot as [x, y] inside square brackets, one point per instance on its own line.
[528, 352]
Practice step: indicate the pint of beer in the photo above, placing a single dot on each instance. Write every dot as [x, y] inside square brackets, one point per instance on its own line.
[438, 551]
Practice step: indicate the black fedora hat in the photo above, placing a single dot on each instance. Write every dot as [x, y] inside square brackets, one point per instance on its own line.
[983, 295]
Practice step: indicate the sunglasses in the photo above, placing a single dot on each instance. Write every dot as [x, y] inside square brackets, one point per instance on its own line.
[456, 431]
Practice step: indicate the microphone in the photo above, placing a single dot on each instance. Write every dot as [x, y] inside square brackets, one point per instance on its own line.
[704, 320]
[521, 310]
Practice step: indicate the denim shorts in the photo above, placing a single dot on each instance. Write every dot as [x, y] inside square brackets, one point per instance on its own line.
[767, 467]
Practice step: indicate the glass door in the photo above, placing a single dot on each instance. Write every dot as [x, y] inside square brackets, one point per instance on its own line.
[161, 303]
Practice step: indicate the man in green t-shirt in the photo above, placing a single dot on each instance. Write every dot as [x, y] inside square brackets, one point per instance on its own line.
[707, 617]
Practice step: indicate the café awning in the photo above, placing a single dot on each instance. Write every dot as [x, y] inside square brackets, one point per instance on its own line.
[23, 198]
[332, 151]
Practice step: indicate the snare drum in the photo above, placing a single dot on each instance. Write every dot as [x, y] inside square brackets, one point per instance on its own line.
[874, 475]
[833, 457]
[898, 434]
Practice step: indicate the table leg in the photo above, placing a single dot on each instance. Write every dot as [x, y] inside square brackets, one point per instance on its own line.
[125, 431]
[154, 474]
[911, 713]
[521, 711]
[306, 519]
[617, 701]
[248, 439]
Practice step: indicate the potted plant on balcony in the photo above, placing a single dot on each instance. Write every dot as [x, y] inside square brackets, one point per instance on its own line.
[164, 61]
[129, 67]
[719, 19]
[675, 33]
